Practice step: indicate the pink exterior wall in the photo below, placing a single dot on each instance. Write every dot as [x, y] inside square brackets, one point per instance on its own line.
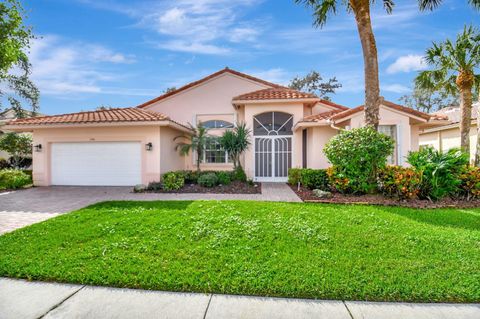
[162, 157]
[405, 140]
[317, 137]
[213, 97]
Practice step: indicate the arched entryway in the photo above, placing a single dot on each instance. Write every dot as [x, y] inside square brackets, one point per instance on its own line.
[273, 146]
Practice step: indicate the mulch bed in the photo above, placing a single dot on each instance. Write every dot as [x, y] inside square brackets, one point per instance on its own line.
[235, 187]
[377, 199]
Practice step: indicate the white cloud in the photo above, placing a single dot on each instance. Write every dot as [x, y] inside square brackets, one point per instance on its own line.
[243, 34]
[407, 63]
[275, 75]
[396, 88]
[193, 47]
[61, 67]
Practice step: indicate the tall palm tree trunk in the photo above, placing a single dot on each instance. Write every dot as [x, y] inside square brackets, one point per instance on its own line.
[465, 83]
[477, 151]
[361, 9]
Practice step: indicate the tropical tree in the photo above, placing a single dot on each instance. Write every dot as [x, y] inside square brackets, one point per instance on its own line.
[196, 142]
[426, 100]
[313, 83]
[15, 40]
[18, 146]
[455, 69]
[322, 9]
[235, 142]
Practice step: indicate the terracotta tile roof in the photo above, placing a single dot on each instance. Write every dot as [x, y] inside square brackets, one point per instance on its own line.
[211, 76]
[101, 116]
[279, 93]
[320, 116]
[342, 107]
[392, 105]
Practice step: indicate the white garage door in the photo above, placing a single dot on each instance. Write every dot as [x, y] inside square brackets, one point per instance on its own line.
[96, 163]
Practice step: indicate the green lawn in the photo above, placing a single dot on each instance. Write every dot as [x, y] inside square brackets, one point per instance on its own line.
[257, 248]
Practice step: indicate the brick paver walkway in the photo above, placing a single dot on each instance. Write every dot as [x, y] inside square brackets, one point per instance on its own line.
[25, 207]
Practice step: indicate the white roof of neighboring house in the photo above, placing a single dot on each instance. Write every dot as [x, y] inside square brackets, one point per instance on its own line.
[453, 112]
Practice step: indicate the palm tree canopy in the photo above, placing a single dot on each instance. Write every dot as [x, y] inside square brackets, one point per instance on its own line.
[449, 59]
[433, 4]
[322, 9]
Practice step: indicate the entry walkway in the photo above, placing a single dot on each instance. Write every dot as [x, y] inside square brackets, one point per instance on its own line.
[25, 300]
[24, 207]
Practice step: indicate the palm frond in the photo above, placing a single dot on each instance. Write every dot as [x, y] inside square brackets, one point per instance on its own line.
[388, 5]
[425, 5]
[475, 4]
[322, 9]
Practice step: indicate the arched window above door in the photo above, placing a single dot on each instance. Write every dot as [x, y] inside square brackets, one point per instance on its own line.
[273, 123]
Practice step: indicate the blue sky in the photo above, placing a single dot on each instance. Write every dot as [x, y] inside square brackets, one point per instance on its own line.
[122, 53]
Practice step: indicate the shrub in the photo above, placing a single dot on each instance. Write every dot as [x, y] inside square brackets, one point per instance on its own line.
[310, 178]
[239, 174]
[154, 186]
[173, 181]
[208, 180]
[470, 182]
[295, 176]
[4, 164]
[13, 179]
[400, 182]
[190, 177]
[339, 181]
[357, 155]
[440, 171]
[223, 178]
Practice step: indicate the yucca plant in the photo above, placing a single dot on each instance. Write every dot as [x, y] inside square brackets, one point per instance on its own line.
[236, 141]
[440, 171]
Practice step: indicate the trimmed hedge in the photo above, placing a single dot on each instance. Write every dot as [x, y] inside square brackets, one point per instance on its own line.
[208, 180]
[173, 181]
[309, 178]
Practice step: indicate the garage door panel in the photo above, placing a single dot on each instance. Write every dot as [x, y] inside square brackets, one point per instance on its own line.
[96, 163]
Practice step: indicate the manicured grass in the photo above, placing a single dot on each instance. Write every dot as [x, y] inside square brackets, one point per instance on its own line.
[258, 248]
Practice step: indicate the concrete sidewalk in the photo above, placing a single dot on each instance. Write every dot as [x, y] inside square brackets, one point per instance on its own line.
[22, 299]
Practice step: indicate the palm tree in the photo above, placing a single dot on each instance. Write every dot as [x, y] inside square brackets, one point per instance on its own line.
[454, 65]
[361, 9]
[196, 142]
[235, 142]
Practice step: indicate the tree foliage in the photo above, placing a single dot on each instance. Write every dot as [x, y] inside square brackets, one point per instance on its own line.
[15, 37]
[18, 146]
[428, 101]
[194, 142]
[236, 141]
[313, 83]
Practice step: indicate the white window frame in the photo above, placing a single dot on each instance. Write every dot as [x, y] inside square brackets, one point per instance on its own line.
[204, 157]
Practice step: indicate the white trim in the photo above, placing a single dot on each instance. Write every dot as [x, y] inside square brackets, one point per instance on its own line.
[399, 130]
[273, 178]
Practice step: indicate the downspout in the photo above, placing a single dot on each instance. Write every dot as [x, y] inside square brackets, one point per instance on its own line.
[332, 125]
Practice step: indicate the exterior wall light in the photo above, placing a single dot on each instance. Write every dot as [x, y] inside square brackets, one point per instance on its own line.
[149, 146]
[38, 148]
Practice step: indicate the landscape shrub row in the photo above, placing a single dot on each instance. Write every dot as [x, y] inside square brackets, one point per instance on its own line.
[175, 180]
[359, 158]
[14, 178]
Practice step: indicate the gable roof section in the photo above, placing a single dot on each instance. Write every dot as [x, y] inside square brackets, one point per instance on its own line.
[205, 79]
[101, 116]
[320, 117]
[277, 93]
[398, 107]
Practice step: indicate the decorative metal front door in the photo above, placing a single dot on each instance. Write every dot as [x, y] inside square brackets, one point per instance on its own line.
[273, 158]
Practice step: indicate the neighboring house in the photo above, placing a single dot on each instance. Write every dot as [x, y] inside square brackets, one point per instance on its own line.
[136, 145]
[447, 136]
[5, 117]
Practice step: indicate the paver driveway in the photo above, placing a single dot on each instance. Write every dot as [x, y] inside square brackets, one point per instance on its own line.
[25, 207]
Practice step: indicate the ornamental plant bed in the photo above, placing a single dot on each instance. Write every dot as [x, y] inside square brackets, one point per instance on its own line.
[235, 187]
[307, 195]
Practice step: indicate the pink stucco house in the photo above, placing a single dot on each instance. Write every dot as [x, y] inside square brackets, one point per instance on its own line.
[128, 146]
